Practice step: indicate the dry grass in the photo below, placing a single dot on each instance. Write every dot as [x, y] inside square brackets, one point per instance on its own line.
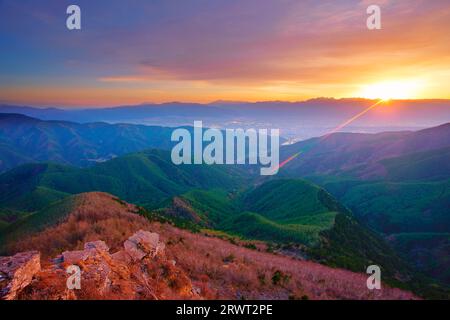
[251, 273]
[97, 216]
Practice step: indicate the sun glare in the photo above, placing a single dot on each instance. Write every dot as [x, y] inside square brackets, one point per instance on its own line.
[391, 90]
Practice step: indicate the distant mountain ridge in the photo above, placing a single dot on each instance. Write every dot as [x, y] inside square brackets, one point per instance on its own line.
[304, 119]
[24, 139]
[369, 156]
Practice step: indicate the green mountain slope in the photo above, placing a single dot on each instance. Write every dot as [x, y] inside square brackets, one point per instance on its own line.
[370, 156]
[286, 199]
[25, 140]
[430, 252]
[294, 209]
[48, 216]
[429, 165]
[414, 216]
[396, 207]
[145, 178]
[293, 214]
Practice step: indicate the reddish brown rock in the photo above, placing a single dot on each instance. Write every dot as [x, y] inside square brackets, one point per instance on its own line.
[97, 245]
[91, 249]
[143, 244]
[127, 274]
[17, 272]
[75, 257]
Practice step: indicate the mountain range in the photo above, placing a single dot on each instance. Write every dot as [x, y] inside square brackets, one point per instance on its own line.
[348, 200]
[24, 139]
[397, 183]
[298, 120]
[404, 155]
[306, 222]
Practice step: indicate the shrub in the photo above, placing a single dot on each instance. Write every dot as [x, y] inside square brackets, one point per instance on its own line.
[280, 278]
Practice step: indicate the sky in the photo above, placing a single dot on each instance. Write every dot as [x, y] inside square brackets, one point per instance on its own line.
[140, 51]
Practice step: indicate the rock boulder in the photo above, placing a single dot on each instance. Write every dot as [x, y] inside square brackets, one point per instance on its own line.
[143, 244]
[17, 272]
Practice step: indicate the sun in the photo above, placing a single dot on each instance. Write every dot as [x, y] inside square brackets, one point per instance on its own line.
[391, 90]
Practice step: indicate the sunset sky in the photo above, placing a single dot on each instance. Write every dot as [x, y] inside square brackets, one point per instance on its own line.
[131, 52]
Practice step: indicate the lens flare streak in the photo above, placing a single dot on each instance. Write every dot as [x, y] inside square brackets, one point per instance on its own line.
[329, 133]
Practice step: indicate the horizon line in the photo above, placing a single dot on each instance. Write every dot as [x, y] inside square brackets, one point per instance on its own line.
[212, 103]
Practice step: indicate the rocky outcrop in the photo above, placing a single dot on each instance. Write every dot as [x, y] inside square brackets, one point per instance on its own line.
[143, 244]
[17, 272]
[139, 271]
[91, 249]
